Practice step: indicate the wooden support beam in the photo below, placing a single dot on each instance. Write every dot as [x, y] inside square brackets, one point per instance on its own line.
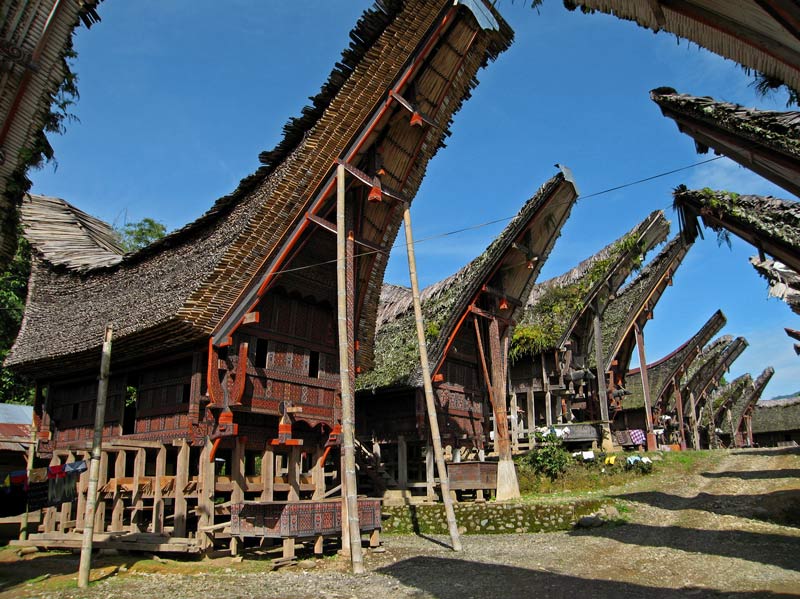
[507, 484]
[329, 226]
[402, 463]
[158, 493]
[181, 480]
[693, 421]
[66, 507]
[118, 505]
[318, 474]
[267, 473]
[293, 474]
[501, 295]
[645, 380]
[679, 405]
[83, 483]
[205, 498]
[490, 316]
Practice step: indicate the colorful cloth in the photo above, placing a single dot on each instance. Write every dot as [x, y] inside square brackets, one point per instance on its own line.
[56, 471]
[77, 467]
[19, 477]
[637, 436]
[611, 460]
[38, 475]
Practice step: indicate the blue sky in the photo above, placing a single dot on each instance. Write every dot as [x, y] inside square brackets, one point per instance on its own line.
[178, 98]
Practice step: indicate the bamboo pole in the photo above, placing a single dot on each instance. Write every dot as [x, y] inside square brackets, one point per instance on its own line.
[23, 525]
[433, 421]
[348, 412]
[94, 469]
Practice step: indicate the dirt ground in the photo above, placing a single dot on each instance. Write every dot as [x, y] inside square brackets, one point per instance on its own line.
[728, 528]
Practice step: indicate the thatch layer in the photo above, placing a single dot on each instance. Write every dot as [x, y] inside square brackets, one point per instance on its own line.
[556, 306]
[637, 297]
[741, 30]
[178, 290]
[706, 379]
[36, 42]
[443, 303]
[784, 283]
[778, 130]
[725, 397]
[747, 400]
[777, 415]
[64, 236]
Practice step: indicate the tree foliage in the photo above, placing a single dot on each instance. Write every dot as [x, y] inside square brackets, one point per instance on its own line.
[135, 236]
[13, 291]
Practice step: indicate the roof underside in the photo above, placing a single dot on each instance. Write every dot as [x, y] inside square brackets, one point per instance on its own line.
[750, 398]
[726, 396]
[784, 283]
[769, 224]
[758, 34]
[766, 142]
[176, 291]
[707, 378]
[444, 303]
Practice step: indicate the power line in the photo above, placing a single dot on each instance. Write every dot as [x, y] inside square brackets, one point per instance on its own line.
[503, 219]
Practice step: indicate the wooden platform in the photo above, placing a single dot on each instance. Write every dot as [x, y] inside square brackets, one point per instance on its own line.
[122, 541]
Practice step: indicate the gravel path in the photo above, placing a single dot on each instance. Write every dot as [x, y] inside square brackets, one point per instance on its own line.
[729, 532]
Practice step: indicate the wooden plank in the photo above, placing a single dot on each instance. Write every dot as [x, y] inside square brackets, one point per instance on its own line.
[267, 473]
[100, 508]
[402, 463]
[205, 501]
[66, 507]
[294, 474]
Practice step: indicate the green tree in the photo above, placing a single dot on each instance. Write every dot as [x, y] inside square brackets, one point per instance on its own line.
[134, 236]
[13, 291]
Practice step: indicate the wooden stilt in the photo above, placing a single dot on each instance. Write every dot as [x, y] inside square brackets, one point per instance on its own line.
[118, 505]
[94, 467]
[137, 500]
[294, 473]
[205, 500]
[402, 463]
[50, 513]
[83, 486]
[345, 326]
[31, 454]
[318, 474]
[158, 493]
[433, 419]
[181, 480]
[693, 422]
[507, 483]
[100, 508]
[66, 507]
[430, 476]
[267, 473]
[679, 405]
[531, 421]
[548, 398]
[651, 440]
[602, 391]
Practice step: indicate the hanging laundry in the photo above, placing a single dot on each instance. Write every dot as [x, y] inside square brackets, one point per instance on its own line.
[75, 467]
[38, 475]
[56, 471]
[19, 477]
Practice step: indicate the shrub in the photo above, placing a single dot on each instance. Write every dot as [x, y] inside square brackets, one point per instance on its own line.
[549, 459]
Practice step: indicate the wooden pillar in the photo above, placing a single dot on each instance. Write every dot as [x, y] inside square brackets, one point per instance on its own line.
[118, 504]
[693, 422]
[651, 438]
[345, 293]
[158, 493]
[507, 484]
[679, 406]
[402, 463]
[430, 477]
[205, 500]
[66, 507]
[514, 423]
[602, 392]
[83, 482]
[31, 455]
[100, 508]
[237, 471]
[730, 426]
[548, 398]
[531, 417]
[267, 473]
[749, 424]
[50, 514]
[318, 474]
[137, 500]
[181, 481]
[294, 473]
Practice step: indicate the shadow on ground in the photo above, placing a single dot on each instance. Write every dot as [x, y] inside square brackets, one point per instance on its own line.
[780, 507]
[770, 549]
[755, 474]
[455, 579]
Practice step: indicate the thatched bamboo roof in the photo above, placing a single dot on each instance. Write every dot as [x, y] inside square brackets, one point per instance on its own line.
[562, 306]
[770, 224]
[784, 283]
[444, 303]
[663, 372]
[766, 142]
[35, 44]
[758, 34]
[707, 378]
[777, 415]
[636, 300]
[183, 288]
[67, 237]
[749, 399]
[726, 396]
